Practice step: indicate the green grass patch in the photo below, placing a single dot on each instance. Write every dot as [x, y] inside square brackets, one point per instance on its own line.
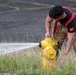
[29, 62]
[19, 64]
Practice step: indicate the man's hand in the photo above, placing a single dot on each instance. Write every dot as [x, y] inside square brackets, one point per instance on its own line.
[63, 58]
[47, 34]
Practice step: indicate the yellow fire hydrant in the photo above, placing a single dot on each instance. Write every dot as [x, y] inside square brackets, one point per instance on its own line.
[48, 54]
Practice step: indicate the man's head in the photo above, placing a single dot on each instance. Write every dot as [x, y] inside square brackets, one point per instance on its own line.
[56, 12]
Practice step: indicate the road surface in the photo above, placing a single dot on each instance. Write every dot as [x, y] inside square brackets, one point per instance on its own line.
[24, 20]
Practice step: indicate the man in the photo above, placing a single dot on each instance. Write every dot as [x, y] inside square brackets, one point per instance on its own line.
[67, 19]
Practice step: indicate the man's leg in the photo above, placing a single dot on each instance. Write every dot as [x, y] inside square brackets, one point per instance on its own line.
[59, 36]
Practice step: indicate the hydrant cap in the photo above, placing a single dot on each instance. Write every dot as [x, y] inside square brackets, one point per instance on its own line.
[46, 42]
[51, 52]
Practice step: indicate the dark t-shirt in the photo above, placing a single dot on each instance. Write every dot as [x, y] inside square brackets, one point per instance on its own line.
[70, 26]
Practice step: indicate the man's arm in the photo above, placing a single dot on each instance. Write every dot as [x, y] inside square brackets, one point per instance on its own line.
[68, 46]
[48, 25]
[69, 42]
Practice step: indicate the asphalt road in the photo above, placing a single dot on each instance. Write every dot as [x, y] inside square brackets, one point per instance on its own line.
[24, 20]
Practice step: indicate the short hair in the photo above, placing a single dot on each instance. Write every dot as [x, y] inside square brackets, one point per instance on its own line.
[56, 12]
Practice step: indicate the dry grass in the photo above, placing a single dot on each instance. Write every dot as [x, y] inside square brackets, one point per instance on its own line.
[28, 61]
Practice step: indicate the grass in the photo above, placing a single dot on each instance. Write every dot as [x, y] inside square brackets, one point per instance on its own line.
[19, 64]
[29, 62]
